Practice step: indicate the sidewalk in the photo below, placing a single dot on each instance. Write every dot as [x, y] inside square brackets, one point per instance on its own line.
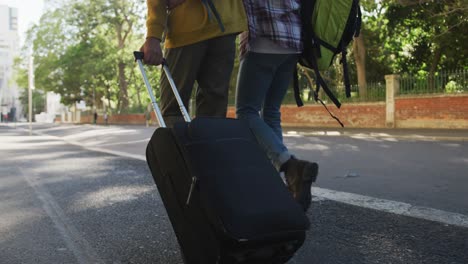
[399, 133]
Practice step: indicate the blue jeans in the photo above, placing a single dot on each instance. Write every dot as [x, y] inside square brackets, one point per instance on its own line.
[261, 86]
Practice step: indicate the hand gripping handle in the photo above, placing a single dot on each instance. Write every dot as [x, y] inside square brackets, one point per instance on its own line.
[139, 59]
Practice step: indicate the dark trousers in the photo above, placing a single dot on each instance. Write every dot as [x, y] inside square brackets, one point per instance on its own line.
[210, 64]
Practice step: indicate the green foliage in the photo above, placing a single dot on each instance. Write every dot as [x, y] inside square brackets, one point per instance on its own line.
[441, 82]
[83, 51]
[453, 87]
[423, 35]
[21, 76]
[38, 98]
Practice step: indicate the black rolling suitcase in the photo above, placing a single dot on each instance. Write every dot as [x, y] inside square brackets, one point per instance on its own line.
[225, 200]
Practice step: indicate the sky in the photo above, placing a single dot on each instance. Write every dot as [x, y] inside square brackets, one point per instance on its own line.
[29, 12]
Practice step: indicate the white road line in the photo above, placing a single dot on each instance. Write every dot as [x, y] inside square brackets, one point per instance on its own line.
[394, 207]
[96, 149]
[125, 143]
[384, 205]
[114, 152]
[80, 247]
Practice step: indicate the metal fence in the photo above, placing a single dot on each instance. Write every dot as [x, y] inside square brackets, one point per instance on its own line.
[446, 82]
[375, 92]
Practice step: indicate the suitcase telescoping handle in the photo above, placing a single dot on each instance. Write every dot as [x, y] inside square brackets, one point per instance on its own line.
[139, 59]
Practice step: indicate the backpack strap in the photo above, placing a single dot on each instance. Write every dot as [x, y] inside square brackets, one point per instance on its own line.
[326, 108]
[211, 9]
[347, 82]
[297, 94]
[319, 82]
[358, 22]
[356, 28]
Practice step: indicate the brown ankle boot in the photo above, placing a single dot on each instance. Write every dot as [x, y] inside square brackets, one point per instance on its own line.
[299, 176]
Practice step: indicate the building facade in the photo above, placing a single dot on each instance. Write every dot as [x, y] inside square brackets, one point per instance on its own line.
[9, 48]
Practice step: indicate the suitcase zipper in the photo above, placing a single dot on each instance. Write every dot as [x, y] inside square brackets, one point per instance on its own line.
[192, 187]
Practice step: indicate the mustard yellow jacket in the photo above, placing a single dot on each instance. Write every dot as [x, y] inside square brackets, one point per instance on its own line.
[189, 23]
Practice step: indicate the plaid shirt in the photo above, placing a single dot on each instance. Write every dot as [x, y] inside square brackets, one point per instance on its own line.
[277, 20]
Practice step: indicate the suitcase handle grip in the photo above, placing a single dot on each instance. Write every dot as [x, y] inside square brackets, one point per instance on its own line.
[139, 59]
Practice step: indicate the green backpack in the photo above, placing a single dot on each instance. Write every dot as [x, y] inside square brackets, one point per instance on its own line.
[328, 26]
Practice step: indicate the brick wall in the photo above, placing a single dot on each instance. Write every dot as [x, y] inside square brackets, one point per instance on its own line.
[131, 119]
[351, 115]
[411, 112]
[444, 111]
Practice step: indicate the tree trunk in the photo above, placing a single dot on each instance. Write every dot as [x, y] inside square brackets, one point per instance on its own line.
[123, 87]
[138, 88]
[359, 51]
[108, 97]
[122, 35]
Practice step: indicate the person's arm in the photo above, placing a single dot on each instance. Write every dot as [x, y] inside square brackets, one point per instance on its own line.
[155, 26]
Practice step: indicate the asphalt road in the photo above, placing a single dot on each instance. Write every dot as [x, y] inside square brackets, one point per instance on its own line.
[426, 168]
[62, 203]
[424, 173]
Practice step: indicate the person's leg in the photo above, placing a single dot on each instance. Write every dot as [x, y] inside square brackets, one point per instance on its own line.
[299, 174]
[263, 80]
[184, 64]
[214, 77]
[271, 108]
[255, 78]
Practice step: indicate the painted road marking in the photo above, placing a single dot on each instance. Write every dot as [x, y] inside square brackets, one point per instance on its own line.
[80, 247]
[394, 207]
[369, 202]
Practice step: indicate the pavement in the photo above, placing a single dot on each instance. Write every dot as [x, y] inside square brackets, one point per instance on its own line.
[400, 133]
[83, 194]
[403, 133]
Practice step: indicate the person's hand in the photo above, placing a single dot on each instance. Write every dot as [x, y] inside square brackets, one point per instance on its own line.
[152, 51]
[173, 3]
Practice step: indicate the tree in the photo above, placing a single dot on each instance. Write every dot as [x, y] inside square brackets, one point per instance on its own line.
[433, 33]
[121, 17]
[371, 10]
[83, 50]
